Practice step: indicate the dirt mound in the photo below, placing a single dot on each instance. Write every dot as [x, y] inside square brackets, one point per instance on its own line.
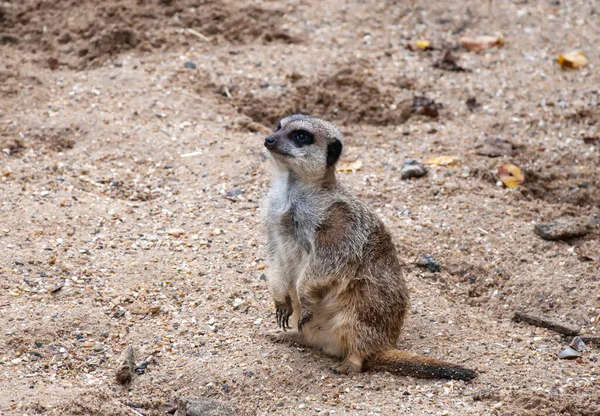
[54, 139]
[351, 95]
[11, 82]
[571, 185]
[541, 404]
[478, 282]
[83, 34]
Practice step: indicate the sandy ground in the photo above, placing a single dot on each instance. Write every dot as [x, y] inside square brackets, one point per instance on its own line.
[131, 183]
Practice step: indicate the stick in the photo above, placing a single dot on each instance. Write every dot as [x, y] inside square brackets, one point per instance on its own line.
[192, 154]
[544, 323]
[198, 35]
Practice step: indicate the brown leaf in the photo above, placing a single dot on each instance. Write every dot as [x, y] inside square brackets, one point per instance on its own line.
[480, 43]
[573, 60]
[441, 161]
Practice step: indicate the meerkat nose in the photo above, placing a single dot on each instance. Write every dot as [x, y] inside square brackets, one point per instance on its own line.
[270, 142]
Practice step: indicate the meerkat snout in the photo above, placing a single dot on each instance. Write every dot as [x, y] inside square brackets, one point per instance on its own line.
[270, 142]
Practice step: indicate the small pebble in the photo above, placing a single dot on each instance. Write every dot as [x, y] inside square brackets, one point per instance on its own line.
[577, 344]
[412, 169]
[426, 261]
[176, 232]
[190, 64]
[234, 192]
[564, 228]
[569, 354]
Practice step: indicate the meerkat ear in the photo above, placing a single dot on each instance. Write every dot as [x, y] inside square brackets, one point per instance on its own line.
[334, 150]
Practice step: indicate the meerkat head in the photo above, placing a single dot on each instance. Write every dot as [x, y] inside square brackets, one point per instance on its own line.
[306, 145]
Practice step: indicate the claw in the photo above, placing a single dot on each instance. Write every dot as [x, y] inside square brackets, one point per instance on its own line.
[305, 316]
[283, 311]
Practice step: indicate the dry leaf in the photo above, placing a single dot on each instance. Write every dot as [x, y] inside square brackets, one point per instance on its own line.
[481, 43]
[441, 161]
[510, 175]
[349, 166]
[574, 60]
[423, 44]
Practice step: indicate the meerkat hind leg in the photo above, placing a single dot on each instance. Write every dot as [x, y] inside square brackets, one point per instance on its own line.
[288, 337]
[353, 363]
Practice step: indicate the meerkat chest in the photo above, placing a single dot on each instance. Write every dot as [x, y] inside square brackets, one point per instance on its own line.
[291, 221]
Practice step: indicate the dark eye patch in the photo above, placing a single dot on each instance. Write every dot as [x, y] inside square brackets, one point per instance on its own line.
[302, 138]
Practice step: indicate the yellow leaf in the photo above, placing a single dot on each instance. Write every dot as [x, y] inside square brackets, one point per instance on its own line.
[510, 175]
[480, 43]
[349, 166]
[574, 60]
[441, 160]
[423, 44]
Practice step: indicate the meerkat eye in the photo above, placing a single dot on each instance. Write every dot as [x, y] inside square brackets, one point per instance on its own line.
[302, 137]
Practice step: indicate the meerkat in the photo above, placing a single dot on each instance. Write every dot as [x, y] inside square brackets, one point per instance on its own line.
[333, 269]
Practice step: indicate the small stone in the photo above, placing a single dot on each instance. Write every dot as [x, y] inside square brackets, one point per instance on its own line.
[57, 286]
[142, 309]
[126, 369]
[412, 169]
[98, 347]
[564, 228]
[44, 193]
[569, 354]
[189, 65]
[426, 261]
[578, 344]
[232, 193]
[170, 407]
[141, 367]
[176, 232]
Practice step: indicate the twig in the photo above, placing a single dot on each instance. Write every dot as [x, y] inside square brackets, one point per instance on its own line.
[198, 35]
[192, 154]
[544, 323]
[188, 94]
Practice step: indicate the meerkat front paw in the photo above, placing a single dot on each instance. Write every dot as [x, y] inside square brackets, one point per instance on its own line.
[283, 311]
[305, 317]
[352, 364]
[287, 337]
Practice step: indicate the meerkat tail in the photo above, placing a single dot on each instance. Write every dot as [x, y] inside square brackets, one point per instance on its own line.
[407, 364]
